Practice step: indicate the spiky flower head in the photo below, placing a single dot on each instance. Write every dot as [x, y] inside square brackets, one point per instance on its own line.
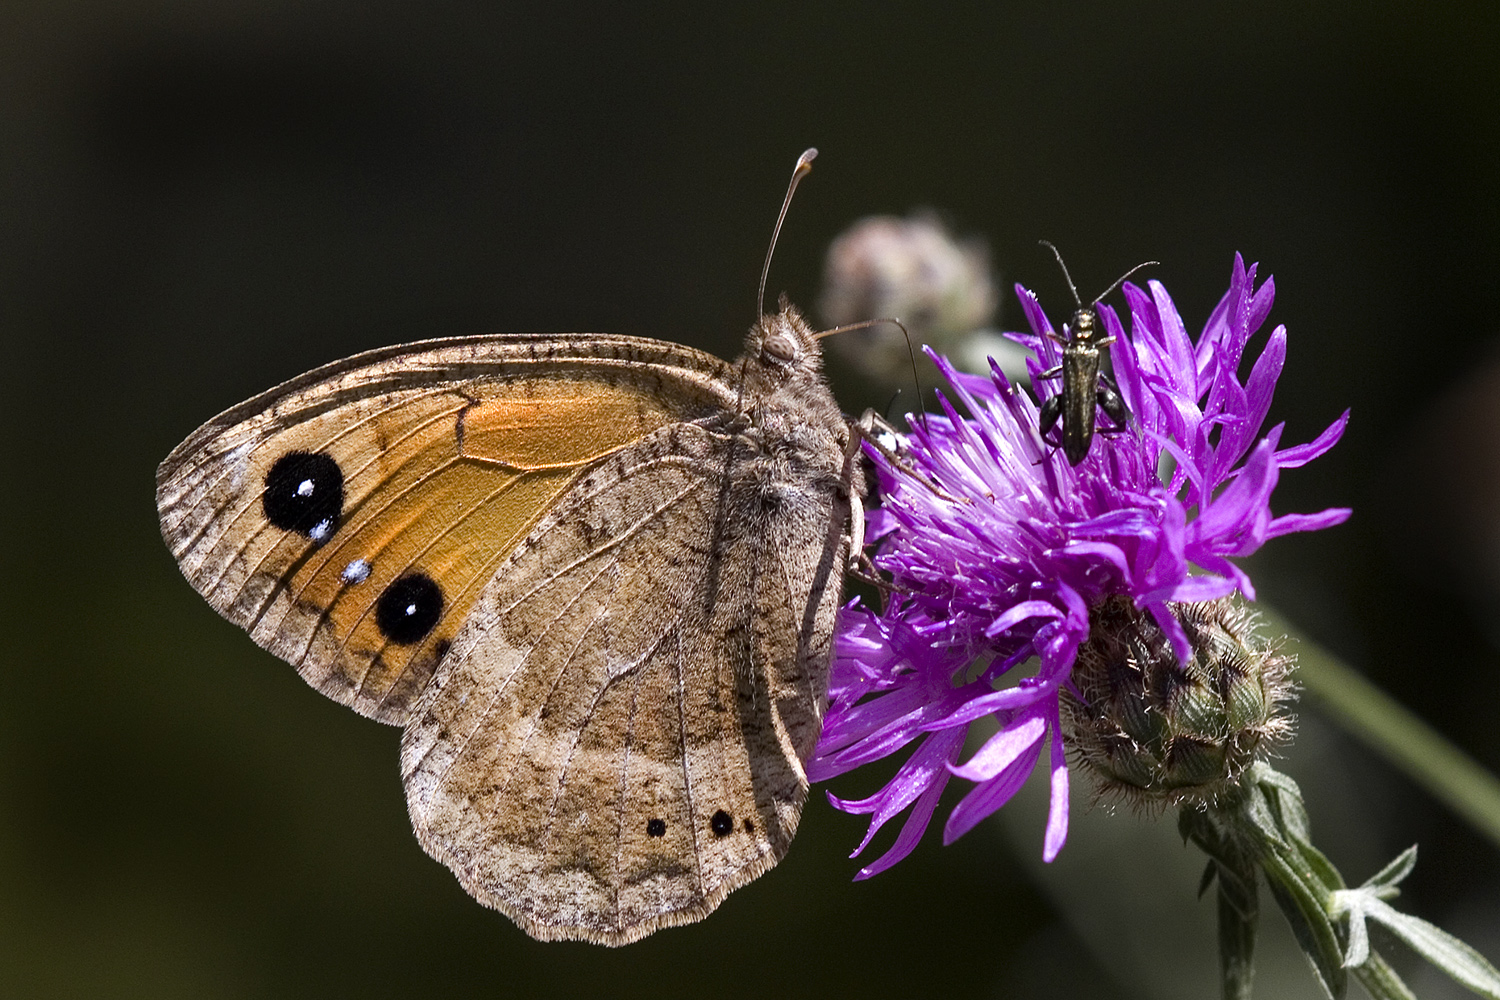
[1003, 557]
[1156, 730]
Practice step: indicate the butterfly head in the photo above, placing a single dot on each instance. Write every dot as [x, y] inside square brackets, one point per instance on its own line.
[781, 351]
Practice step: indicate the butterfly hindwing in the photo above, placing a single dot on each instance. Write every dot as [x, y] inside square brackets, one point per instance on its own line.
[613, 742]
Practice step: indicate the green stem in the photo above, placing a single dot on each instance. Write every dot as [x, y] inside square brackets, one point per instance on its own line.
[1239, 912]
[1389, 728]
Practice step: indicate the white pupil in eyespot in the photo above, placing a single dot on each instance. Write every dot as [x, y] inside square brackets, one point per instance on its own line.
[305, 488]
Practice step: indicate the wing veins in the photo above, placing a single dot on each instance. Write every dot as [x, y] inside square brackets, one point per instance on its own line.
[635, 693]
[687, 780]
[608, 546]
[213, 459]
[501, 689]
[562, 773]
[256, 533]
[436, 540]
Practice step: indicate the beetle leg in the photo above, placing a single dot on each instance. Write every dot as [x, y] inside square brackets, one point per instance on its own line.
[1051, 410]
[1113, 405]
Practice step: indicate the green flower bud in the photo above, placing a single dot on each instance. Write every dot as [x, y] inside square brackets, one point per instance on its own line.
[1155, 732]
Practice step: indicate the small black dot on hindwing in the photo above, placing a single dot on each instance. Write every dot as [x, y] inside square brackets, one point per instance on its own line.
[409, 608]
[304, 493]
[749, 826]
[721, 823]
[656, 828]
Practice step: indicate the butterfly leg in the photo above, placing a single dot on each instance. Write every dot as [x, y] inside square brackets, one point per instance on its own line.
[856, 504]
[874, 428]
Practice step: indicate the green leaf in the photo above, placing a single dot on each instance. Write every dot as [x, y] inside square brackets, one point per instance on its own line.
[1355, 905]
[1287, 802]
[1467, 967]
[1207, 878]
[1259, 818]
[1198, 828]
[1316, 864]
[1381, 981]
[1239, 912]
[1303, 908]
[1392, 874]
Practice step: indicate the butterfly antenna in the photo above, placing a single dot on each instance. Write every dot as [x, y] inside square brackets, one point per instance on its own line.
[886, 413]
[1071, 287]
[801, 170]
[910, 350]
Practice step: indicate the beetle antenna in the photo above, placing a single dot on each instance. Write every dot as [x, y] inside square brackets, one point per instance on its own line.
[1074, 288]
[1071, 287]
[1121, 279]
[802, 169]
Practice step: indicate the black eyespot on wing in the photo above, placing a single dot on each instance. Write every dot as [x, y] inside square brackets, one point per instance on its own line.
[304, 493]
[721, 823]
[409, 608]
[656, 828]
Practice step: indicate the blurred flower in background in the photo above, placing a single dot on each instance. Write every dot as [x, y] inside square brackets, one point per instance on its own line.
[914, 270]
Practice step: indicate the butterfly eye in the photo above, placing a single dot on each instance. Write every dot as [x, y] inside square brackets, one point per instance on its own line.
[779, 346]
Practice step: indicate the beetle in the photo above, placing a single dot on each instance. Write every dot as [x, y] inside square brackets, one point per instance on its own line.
[1084, 387]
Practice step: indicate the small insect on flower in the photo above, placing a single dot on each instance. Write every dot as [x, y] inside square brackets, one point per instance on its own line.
[1084, 385]
[1025, 589]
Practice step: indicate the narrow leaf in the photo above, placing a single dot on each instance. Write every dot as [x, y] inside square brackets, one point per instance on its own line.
[1309, 922]
[1467, 967]
[1288, 802]
[1207, 879]
[1239, 912]
[1393, 873]
[1317, 864]
[1358, 951]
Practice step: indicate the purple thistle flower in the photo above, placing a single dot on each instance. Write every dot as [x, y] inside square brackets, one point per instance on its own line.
[1006, 578]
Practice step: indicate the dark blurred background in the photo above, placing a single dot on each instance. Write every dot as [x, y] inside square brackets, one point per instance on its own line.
[200, 200]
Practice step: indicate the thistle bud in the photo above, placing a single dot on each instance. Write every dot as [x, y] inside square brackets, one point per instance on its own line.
[913, 269]
[1157, 732]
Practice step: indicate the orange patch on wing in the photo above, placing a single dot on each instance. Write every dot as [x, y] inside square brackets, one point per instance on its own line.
[554, 422]
[416, 503]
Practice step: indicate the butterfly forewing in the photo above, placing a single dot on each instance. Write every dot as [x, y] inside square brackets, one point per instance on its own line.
[398, 468]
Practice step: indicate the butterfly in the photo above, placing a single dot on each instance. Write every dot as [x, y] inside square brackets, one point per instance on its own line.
[594, 578]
